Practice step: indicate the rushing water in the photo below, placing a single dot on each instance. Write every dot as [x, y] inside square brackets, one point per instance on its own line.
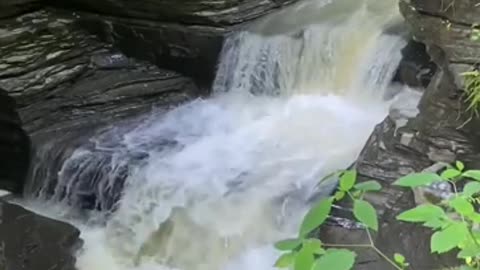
[213, 183]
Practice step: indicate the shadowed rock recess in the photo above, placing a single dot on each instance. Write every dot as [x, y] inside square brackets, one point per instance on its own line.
[442, 131]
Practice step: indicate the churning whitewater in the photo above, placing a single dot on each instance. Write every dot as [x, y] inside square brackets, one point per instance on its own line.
[217, 181]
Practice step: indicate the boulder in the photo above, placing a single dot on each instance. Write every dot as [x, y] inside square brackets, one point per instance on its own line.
[32, 242]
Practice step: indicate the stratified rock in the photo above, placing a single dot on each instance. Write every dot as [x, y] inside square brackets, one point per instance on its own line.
[454, 39]
[188, 12]
[63, 78]
[192, 50]
[185, 36]
[32, 242]
[14, 147]
[68, 85]
[457, 11]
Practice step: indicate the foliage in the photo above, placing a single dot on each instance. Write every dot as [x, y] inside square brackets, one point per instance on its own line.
[307, 253]
[472, 81]
[454, 221]
[472, 91]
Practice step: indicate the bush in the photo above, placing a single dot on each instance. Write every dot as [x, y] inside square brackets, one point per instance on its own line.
[454, 220]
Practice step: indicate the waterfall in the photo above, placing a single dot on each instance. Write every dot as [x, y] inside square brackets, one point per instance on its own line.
[213, 183]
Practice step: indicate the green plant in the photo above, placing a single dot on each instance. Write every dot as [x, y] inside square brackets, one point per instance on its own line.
[472, 81]
[305, 253]
[455, 222]
[472, 91]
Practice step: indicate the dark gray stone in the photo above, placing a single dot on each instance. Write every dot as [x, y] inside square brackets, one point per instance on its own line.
[32, 242]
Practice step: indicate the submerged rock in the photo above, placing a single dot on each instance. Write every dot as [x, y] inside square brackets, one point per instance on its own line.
[33, 242]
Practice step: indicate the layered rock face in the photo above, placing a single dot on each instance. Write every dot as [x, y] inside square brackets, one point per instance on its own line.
[442, 130]
[185, 36]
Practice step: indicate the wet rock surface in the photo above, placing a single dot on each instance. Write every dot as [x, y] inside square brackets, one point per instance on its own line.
[64, 79]
[192, 50]
[33, 242]
[184, 36]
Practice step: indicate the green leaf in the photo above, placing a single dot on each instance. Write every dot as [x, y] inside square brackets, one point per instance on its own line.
[365, 213]
[368, 186]
[399, 258]
[339, 259]
[288, 244]
[339, 195]
[473, 174]
[462, 206]
[435, 223]
[304, 260]
[450, 174]
[316, 216]
[418, 179]
[347, 180]
[471, 250]
[475, 217]
[422, 213]
[460, 166]
[471, 189]
[449, 238]
[313, 246]
[285, 260]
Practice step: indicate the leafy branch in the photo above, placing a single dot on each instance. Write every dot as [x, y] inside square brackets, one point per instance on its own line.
[454, 221]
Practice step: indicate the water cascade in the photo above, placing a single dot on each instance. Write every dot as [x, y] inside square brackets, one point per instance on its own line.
[211, 184]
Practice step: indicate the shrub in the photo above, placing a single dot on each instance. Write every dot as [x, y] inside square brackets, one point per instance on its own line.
[454, 220]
